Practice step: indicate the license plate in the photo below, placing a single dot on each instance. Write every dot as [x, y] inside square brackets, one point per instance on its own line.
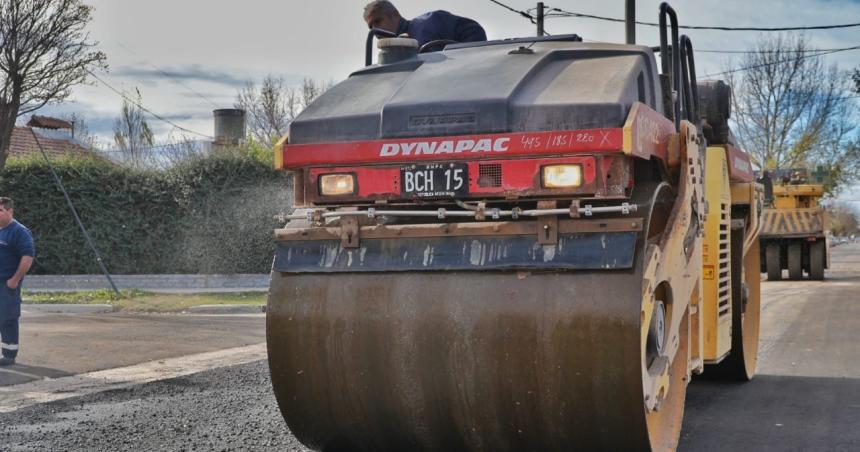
[435, 180]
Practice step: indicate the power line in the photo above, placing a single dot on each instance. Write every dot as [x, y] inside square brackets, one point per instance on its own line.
[804, 55]
[151, 148]
[799, 57]
[838, 49]
[139, 105]
[521, 13]
[563, 13]
[171, 77]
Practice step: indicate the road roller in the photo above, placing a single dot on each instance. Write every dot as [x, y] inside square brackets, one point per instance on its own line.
[528, 244]
[794, 227]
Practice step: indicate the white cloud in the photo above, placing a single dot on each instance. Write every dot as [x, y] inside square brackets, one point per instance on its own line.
[214, 46]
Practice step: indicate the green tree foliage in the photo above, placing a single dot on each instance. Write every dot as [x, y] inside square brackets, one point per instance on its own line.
[208, 215]
[843, 219]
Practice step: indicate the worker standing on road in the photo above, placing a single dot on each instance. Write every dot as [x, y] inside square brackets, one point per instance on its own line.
[432, 26]
[16, 257]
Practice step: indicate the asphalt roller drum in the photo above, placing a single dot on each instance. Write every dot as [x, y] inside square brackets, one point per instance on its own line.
[483, 361]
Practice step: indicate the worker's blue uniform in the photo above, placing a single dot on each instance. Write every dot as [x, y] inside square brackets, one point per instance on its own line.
[437, 25]
[16, 241]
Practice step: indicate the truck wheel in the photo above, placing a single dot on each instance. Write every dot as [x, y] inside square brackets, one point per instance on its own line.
[774, 270]
[816, 260]
[795, 261]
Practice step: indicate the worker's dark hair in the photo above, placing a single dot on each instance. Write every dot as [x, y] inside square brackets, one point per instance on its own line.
[380, 7]
[7, 203]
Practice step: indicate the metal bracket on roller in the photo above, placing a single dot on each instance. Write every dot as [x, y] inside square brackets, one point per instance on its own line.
[547, 225]
[349, 232]
[574, 209]
[481, 211]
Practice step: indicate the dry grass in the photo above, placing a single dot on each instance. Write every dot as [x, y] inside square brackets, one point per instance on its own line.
[138, 301]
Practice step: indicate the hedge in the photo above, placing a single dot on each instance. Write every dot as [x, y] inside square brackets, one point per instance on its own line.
[209, 214]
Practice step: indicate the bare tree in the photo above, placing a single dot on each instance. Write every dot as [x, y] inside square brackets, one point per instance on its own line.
[176, 150]
[843, 219]
[312, 89]
[856, 78]
[272, 107]
[44, 51]
[131, 132]
[81, 130]
[791, 109]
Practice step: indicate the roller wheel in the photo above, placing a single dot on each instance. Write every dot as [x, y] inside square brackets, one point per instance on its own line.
[795, 261]
[746, 311]
[480, 360]
[774, 270]
[664, 424]
[817, 253]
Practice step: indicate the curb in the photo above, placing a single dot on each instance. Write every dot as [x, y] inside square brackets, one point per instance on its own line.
[226, 309]
[67, 308]
[167, 283]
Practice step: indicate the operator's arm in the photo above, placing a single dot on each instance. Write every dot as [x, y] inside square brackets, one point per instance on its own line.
[24, 244]
[469, 31]
[23, 268]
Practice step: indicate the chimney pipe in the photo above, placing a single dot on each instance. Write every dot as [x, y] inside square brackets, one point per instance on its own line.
[229, 126]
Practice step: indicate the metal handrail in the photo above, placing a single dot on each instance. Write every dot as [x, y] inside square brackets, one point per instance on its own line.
[442, 213]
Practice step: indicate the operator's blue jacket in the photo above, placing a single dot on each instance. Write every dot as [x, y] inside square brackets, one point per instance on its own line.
[441, 25]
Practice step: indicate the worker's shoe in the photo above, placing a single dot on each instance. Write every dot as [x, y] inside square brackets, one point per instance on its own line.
[4, 361]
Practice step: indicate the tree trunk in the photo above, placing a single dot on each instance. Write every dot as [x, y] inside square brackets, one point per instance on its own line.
[8, 115]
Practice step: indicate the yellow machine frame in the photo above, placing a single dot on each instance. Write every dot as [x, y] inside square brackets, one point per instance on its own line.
[715, 319]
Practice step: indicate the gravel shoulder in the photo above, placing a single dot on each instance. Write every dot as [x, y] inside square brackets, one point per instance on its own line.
[181, 414]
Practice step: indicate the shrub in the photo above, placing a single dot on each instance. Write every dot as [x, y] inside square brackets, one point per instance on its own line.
[209, 214]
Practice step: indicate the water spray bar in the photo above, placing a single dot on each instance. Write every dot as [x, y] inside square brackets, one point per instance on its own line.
[480, 214]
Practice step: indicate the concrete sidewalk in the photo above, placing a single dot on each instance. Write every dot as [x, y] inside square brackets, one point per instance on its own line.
[80, 339]
[150, 283]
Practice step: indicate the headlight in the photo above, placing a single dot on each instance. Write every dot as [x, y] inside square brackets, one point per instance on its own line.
[562, 176]
[337, 184]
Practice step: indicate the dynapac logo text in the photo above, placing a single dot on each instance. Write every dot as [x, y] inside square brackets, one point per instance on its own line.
[445, 147]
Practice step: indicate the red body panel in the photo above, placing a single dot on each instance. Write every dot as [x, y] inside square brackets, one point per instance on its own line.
[464, 147]
[518, 176]
[740, 165]
[649, 132]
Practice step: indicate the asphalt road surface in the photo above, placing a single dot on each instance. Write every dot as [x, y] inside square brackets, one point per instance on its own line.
[806, 396]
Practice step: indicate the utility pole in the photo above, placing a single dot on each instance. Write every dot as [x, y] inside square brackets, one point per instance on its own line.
[630, 21]
[540, 30]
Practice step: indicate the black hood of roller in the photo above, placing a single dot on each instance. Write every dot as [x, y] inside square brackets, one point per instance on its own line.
[486, 89]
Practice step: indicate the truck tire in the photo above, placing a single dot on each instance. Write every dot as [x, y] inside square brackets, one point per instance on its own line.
[817, 252]
[774, 270]
[795, 261]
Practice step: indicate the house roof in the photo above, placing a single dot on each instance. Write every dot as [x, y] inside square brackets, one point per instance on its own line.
[23, 143]
[45, 122]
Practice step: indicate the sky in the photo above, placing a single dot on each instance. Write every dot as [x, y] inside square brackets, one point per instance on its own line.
[188, 57]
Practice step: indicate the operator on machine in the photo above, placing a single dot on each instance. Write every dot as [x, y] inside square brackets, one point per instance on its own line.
[431, 26]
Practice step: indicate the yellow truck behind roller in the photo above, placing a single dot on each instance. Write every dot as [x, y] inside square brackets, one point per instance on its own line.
[794, 228]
